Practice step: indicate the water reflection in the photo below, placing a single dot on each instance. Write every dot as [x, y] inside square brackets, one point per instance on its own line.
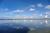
[24, 26]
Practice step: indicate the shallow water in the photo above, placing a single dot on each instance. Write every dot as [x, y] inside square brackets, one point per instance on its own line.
[21, 26]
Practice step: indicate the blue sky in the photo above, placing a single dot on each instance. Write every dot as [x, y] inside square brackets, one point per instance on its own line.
[24, 7]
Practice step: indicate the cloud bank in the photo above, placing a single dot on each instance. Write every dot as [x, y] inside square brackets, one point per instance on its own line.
[30, 9]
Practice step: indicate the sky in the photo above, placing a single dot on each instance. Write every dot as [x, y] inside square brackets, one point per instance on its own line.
[35, 8]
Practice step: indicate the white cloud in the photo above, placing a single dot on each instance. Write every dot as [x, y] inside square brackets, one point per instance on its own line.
[18, 11]
[39, 5]
[47, 7]
[48, 14]
[6, 12]
[31, 9]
